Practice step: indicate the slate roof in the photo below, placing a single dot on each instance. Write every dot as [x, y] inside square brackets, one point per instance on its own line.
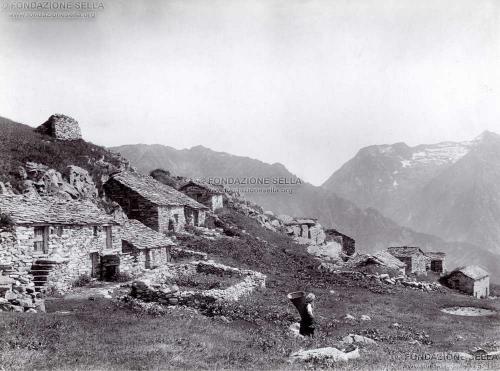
[405, 251]
[209, 187]
[300, 221]
[143, 237]
[52, 210]
[387, 259]
[155, 191]
[473, 271]
[436, 255]
[334, 232]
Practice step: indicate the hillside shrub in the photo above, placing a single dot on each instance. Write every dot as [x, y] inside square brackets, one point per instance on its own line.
[82, 280]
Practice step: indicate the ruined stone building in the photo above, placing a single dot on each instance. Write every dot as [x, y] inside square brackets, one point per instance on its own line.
[471, 279]
[143, 248]
[415, 259]
[51, 241]
[154, 204]
[61, 127]
[206, 194]
[305, 228]
[348, 243]
[436, 261]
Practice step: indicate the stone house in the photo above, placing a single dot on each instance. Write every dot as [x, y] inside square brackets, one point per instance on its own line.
[415, 259]
[348, 243]
[206, 194]
[153, 203]
[143, 248]
[436, 261]
[471, 279]
[61, 127]
[307, 229]
[51, 241]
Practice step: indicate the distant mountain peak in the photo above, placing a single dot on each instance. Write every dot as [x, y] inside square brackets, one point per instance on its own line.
[486, 136]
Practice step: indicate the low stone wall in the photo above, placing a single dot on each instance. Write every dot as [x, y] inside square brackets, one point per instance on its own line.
[179, 254]
[19, 298]
[154, 289]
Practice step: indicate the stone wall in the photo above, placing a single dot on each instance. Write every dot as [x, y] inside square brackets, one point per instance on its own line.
[138, 261]
[174, 214]
[460, 282]
[153, 288]
[61, 127]
[217, 202]
[135, 206]
[482, 288]
[419, 264]
[69, 248]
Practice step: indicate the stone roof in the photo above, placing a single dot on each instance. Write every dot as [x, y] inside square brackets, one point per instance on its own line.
[387, 259]
[436, 255]
[405, 251]
[143, 237]
[334, 232]
[473, 271]
[51, 210]
[300, 221]
[209, 187]
[155, 191]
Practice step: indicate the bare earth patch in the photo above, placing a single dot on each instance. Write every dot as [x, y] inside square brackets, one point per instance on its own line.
[469, 311]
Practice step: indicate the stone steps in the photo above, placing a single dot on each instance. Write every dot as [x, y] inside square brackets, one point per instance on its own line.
[40, 271]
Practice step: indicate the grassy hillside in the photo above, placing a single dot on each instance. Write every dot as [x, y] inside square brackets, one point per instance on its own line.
[19, 144]
[80, 334]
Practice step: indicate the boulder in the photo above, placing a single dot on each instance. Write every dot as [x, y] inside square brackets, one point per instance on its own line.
[364, 317]
[81, 181]
[357, 339]
[327, 354]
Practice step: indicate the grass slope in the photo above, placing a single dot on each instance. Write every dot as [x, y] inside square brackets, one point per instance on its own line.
[19, 144]
[103, 334]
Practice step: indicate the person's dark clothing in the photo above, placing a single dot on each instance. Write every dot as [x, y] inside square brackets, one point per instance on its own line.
[307, 323]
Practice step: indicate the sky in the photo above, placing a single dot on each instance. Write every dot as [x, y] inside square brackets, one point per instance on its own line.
[303, 83]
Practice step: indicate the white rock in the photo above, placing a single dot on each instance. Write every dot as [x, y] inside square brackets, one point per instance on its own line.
[350, 317]
[352, 338]
[364, 317]
[328, 354]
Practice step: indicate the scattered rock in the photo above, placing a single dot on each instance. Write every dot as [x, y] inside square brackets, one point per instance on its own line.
[349, 317]
[358, 339]
[327, 354]
[364, 317]
[395, 325]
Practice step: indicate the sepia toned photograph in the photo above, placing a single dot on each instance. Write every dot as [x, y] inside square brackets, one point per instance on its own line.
[249, 185]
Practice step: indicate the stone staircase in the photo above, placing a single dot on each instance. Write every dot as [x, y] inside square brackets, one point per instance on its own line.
[40, 271]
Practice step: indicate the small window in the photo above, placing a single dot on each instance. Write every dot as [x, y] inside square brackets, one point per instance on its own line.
[59, 230]
[176, 217]
[95, 231]
[126, 247]
[40, 242]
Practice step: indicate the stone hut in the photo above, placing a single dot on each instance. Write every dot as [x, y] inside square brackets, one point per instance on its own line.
[471, 279]
[143, 248]
[61, 127]
[154, 204]
[206, 194]
[51, 242]
[348, 243]
[305, 229]
[415, 259]
[436, 261]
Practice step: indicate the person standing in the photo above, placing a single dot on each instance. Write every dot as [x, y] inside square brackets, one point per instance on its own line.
[307, 322]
